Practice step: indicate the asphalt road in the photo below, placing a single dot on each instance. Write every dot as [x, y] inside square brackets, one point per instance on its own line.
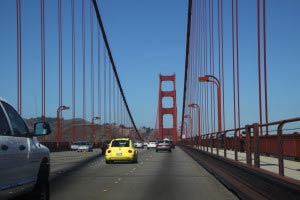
[157, 176]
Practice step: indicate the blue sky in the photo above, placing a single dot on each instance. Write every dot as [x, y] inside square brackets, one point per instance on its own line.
[148, 38]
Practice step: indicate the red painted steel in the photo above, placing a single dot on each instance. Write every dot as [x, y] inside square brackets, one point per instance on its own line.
[162, 111]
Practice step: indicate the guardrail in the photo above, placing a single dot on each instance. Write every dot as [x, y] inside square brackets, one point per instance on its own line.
[252, 142]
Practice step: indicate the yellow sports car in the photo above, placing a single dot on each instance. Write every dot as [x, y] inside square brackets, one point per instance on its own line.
[121, 149]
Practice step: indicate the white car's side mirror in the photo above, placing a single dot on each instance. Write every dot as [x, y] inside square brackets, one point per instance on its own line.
[41, 129]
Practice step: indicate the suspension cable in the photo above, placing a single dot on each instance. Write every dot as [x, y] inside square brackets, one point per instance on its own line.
[113, 64]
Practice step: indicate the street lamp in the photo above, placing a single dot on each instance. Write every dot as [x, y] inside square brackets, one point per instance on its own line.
[191, 124]
[194, 105]
[93, 128]
[213, 79]
[58, 122]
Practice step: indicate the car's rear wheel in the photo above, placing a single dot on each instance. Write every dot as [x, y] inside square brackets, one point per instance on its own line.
[135, 160]
[156, 150]
[170, 150]
[41, 189]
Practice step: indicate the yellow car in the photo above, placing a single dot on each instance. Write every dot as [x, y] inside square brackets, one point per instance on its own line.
[121, 149]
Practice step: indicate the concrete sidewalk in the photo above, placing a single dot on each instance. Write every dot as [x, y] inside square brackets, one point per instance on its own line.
[291, 168]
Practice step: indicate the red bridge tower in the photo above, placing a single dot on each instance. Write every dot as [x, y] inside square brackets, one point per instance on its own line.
[167, 132]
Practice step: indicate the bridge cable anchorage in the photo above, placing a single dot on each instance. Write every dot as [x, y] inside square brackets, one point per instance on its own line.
[113, 65]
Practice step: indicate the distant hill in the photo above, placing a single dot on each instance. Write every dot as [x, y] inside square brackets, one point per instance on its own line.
[82, 130]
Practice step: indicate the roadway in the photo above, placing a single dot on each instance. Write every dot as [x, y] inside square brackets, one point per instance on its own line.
[157, 176]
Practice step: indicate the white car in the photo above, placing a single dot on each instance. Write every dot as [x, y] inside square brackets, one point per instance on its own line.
[152, 145]
[85, 146]
[75, 146]
[138, 145]
[24, 162]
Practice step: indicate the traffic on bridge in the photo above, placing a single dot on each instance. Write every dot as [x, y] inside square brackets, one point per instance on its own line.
[190, 99]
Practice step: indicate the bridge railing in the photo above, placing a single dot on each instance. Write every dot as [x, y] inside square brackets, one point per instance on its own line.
[249, 140]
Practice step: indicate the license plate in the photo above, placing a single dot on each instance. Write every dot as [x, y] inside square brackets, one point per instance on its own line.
[119, 154]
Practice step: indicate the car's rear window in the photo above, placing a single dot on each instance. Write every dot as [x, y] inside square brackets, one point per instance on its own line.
[120, 143]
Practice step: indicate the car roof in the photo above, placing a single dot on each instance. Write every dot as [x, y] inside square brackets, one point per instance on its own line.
[121, 139]
[2, 99]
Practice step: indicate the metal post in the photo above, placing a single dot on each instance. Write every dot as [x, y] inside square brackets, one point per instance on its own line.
[256, 145]
[280, 149]
[236, 145]
[248, 145]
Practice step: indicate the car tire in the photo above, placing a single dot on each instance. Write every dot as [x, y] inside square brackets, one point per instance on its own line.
[170, 150]
[41, 188]
[148, 148]
[107, 161]
[156, 150]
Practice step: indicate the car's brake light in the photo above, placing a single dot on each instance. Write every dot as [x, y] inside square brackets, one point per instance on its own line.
[108, 151]
[129, 151]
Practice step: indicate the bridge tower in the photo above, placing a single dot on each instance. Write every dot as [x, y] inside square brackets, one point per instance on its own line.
[167, 132]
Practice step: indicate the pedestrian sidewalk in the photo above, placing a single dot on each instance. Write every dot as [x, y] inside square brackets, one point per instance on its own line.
[291, 168]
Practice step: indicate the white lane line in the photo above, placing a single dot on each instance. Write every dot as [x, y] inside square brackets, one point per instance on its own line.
[119, 179]
[105, 190]
[116, 182]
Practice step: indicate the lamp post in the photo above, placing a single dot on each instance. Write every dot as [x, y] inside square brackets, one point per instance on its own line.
[213, 79]
[191, 125]
[182, 129]
[58, 123]
[194, 105]
[93, 128]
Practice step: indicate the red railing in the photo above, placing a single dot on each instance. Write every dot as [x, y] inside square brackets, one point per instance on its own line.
[253, 143]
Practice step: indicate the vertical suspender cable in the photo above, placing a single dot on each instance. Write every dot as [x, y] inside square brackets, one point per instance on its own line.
[99, 77]
[206, 68]
[222, 58]
[19, 55]
[43, 59]
[109, 99]
[259, 67]
[60, 64]
[114, 101]
[265, 66]
[237, 63]
[83, 70]
[92, 73]
[210, 63]
[213, 65]
[73, 73]
[219, 46]
[92, 61]
[233, 65]
[104, 96]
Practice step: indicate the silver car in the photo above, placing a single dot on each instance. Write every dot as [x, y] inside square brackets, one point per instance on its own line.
[163, 145]
[75, 146]
[85, 146]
